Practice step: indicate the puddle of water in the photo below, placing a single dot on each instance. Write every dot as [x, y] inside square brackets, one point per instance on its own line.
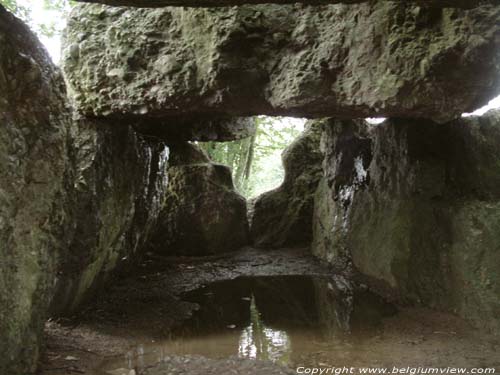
[283, 319]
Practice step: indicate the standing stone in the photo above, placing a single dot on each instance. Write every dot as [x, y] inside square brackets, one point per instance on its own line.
[34, 128]
[77, 197]
[283, 216]
[120, 180]
[416, 207]
[202, 214]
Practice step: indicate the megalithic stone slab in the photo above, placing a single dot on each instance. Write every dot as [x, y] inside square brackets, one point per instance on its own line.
[35, 123]
[77, 197]
[346, 61]
[415, 206]
[203, 214]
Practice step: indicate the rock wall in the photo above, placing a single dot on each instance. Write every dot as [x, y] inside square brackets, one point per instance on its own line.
[416, 207]
[33, 220]
[392, 59]
[203, 214]
[283, 216]
[120, 180]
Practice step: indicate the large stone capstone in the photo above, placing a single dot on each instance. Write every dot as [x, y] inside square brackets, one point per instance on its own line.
[283, 216]
[202, 214]
[214, 3]
[35, 123]
[345, 61]
[416, 206]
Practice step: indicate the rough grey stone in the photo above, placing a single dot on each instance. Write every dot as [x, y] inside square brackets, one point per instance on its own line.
[34, 127]
[120, 181]
[75, 196]
[283, 217]
[345, 61]
[202, 214]
[416, 207]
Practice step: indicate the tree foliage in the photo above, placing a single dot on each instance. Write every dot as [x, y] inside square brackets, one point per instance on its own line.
[21, 11]
[45, 27]
[255, 161]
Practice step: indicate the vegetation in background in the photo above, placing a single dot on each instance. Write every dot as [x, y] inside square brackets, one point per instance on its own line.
[45, 27]
[19, 10]
[256, 161]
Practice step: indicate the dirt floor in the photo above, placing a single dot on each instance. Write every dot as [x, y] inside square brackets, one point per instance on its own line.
[146, 306]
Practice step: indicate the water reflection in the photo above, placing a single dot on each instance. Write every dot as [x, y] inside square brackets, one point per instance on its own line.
[260, 342]
[281, 319]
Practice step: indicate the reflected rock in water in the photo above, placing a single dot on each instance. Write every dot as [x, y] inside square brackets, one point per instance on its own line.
[280, 319]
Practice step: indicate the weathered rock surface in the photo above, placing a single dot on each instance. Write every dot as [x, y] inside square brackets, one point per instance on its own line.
[75, 196]
[202, 214]
[345, 61]
[34, 125]
[120, 183]
[214, 3]
[283, 216]
[416, 206]
[201, 129]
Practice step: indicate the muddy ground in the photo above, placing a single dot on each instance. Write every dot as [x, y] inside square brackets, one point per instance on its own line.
[145, 306]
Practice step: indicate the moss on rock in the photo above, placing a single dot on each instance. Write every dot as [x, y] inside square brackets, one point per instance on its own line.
[202, 214]
[35, 123]
[418, 214]
[382, 58]
[120, 183]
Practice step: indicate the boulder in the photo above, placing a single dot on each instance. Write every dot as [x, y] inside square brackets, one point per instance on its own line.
[283, 216]
[346, 61]
[35, 123]
[202, 214]
[215, 3]
[416, 207]
[120, 180]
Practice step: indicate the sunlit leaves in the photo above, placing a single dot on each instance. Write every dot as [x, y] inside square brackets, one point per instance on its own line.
[21, 11]
[273, 136]
[46, 27]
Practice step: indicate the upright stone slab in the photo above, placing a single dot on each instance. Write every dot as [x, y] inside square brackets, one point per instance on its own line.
[34, 128]
[416, 206]
[382, 58]
[120, 179]
[76, 197]
[202, 214]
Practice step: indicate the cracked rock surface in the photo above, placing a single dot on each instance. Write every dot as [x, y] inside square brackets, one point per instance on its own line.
[415, 205]
[391, 59]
